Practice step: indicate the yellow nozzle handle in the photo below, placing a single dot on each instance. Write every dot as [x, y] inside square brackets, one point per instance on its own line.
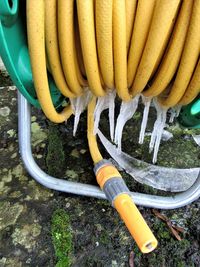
[135, 223]
[117, 192]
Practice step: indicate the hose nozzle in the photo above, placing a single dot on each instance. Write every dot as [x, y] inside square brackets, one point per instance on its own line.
[119, 195]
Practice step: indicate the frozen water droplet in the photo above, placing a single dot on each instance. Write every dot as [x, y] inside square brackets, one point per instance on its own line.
[147, 103]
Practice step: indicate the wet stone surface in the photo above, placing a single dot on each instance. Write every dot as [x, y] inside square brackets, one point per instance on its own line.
[97, 235]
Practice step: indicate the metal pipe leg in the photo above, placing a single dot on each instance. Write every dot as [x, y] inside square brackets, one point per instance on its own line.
[24, 123]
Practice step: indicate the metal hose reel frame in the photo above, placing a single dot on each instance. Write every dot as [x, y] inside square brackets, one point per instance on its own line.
[146, 200]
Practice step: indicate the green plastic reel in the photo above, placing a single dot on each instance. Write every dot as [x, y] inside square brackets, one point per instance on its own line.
[14, 51]
[190, 115]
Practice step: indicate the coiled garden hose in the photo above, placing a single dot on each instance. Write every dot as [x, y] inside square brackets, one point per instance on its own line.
[36, 40]
[104, 28]
[132, 47]
[188, 61]
[173, 53]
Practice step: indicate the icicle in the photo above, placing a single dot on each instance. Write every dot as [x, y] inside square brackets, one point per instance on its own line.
[100, 107]
[159, 135]
[157, 129]
[103, 103]
[172, 115]
[79, 104]
[112, 113]
[154, 133]
[127, 111]
[147, 102]
[175, 111]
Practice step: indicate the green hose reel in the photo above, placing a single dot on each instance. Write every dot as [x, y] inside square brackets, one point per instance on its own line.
[190, 115]
[14, 53]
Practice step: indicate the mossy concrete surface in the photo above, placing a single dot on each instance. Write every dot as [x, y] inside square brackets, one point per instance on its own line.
[62, 237]
[41, 228]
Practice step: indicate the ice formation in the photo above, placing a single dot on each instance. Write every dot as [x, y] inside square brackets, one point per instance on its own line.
[167, 179]
[166, 135]
[147, 102]
[157, 130]
[175, 111]
[127, 111]
[103, 103]
[112, 113]
[79, 104]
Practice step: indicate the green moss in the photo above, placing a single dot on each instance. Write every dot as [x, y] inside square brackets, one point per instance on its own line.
[104, 237]
[177, 130]
[162, 231]
[179, 153]
[137, 116]
[55, 159]
[61, 237]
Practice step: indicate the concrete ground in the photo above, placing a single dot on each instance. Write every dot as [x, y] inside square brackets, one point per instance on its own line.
[41, 227]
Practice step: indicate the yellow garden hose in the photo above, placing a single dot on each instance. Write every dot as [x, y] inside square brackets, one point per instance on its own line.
[78, 46]
[94, 151]
[103, 15]
[130, 17]
[140, 32]
[188, 60]
[131, 46]
[193, 88]
[36, 40]
[67, 44]
[105, 29]
[172, 56]
[88, 44]
[161, 25]
[120, 54]
[51, 39]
